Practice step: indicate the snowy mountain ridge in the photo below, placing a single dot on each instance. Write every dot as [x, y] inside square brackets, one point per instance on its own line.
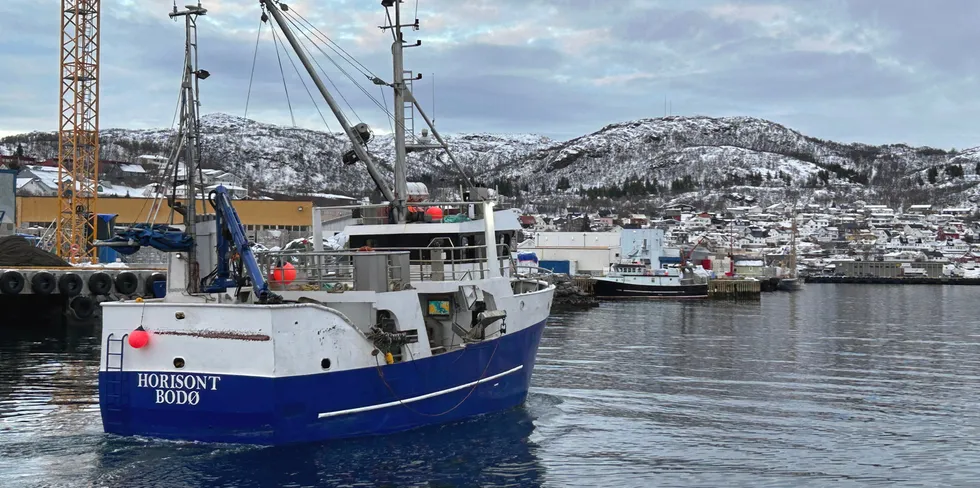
[706, 160]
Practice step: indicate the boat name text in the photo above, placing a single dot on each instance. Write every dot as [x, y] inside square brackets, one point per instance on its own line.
[177, 389]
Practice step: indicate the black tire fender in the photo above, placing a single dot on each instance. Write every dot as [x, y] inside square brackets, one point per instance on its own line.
[70, 284]
[148, 287]
[82, 307]
[11, 283]
[100, 283]
[43, 283]
[127, 282]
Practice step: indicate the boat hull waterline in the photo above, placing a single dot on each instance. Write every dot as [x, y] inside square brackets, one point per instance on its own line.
[482, 378]
[605, 288]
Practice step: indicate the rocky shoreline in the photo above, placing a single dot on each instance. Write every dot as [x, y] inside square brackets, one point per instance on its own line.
[570, 296]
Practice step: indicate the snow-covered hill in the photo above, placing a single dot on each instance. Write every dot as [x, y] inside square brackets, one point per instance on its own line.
[697, 159]
[707, 159]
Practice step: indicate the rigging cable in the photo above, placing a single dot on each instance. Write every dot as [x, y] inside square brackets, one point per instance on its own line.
[174, 144]
[240, 165]
[391, 123]
[157, 204]
[323, 71]
[320, 35]
[401, 402]
[275, 40]
[364, 70]
[251, 76]
[390, 24]
[308, 92]
[381, 106]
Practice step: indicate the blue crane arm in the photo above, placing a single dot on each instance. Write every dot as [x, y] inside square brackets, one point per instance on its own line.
[227, 219]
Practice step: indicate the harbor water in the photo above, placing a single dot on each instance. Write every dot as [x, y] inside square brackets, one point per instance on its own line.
[850, 385]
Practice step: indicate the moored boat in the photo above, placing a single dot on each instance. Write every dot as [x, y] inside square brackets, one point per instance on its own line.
[639, 281]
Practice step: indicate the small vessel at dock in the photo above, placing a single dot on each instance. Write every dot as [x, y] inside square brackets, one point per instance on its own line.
[639, 281]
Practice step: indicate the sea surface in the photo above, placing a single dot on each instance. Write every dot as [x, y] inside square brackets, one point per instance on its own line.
[843, 385]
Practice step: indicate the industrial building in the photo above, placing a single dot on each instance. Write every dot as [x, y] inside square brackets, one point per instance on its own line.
[584, 252]
[296, 216]
[889, 269]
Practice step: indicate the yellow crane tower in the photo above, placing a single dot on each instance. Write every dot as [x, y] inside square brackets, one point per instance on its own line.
[78, 131]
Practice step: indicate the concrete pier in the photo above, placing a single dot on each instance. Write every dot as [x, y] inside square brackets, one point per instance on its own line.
[74, 291]
[728, 289]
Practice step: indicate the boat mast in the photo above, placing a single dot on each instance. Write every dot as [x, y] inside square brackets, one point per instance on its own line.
[189, 104]
[792, 255]
[403, 100]
[398, 85]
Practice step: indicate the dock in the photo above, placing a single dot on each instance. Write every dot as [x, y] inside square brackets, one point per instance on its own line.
[908, 280]
[728, 289]
[76, 290]
[585, 283]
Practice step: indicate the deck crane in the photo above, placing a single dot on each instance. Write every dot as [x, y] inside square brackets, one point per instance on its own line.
[684, 259]
[78, 131]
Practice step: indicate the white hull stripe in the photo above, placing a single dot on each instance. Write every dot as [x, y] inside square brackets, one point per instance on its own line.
[418, 398]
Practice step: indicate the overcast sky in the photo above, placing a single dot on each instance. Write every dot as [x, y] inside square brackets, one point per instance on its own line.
[876, 71]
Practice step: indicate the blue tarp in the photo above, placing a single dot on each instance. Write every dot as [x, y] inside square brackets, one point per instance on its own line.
[161, 237]
[557, 266]
[527, 256]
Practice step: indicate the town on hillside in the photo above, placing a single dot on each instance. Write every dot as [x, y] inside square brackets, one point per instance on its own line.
[855, 240]
[749, 240]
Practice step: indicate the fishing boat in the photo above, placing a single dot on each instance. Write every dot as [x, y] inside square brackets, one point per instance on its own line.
[627, 280]
[423, 319]
[635, 277]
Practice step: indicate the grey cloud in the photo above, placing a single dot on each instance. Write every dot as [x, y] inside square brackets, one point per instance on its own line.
[909, 80]
[941, 34]
[684, 26]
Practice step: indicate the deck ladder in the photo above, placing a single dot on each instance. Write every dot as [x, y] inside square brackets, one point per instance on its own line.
[409, 109]
[113, 401]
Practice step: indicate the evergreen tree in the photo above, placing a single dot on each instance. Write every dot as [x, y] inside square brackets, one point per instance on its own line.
[932, 174]
[20, 151]
[564, 184]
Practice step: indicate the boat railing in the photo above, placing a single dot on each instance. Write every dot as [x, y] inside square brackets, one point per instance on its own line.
[379, 214]
[334, 271]
[541, 277]
[454, 263]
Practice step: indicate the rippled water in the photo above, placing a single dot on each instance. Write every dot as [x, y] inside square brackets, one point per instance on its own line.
[850, 385]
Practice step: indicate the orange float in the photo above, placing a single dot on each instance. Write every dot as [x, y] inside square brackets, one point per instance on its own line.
[284, 274]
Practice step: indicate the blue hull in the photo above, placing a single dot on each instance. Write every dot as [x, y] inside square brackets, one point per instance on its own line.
[256, 410]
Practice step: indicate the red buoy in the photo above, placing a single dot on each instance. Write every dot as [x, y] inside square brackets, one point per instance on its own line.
[139, 338]
[284, 274]
[435, 213]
